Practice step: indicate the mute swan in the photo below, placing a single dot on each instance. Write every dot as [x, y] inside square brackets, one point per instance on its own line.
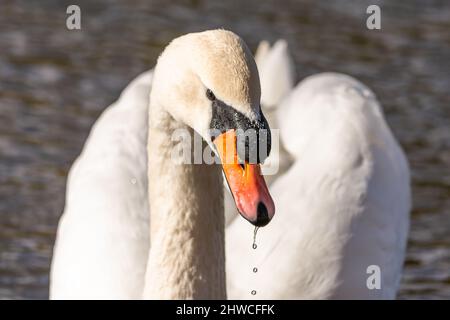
[343, 206]
[202, 81]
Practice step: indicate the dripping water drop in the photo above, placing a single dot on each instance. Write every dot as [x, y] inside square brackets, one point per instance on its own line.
[254, 246]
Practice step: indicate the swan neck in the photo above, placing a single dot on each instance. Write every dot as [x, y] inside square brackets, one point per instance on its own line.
[187, 255]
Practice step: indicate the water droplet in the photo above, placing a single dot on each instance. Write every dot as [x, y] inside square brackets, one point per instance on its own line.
[133, 181]
[254, 246]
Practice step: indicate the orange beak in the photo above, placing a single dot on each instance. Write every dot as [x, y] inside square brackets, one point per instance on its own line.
[246, 182]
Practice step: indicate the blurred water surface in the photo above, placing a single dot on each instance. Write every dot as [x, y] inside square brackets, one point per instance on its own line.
[54, 83]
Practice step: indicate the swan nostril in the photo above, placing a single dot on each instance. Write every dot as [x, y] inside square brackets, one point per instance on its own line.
[262, 217]
[242, 165]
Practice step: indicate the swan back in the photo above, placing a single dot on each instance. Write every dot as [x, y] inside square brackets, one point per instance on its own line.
[103, 239]
[343, 205]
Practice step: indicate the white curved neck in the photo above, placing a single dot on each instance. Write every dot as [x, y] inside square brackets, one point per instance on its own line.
[187, 256]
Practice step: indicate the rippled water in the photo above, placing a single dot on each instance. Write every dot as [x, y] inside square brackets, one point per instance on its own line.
[54, 83]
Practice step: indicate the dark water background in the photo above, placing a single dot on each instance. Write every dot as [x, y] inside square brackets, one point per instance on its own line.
[54, 83]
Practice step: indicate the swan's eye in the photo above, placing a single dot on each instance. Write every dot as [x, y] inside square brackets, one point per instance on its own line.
[210, 95]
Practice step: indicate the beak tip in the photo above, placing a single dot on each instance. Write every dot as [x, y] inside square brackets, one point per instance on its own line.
[263, 217]
[261, 222]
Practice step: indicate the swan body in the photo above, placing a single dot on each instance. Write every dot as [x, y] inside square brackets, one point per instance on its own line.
[343, 205]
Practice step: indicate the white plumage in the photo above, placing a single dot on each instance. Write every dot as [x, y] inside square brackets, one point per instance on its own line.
[342, 206]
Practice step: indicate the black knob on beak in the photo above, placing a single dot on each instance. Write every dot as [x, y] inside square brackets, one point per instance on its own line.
[253, 140]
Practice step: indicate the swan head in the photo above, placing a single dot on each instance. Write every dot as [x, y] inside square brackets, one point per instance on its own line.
[209, 81]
